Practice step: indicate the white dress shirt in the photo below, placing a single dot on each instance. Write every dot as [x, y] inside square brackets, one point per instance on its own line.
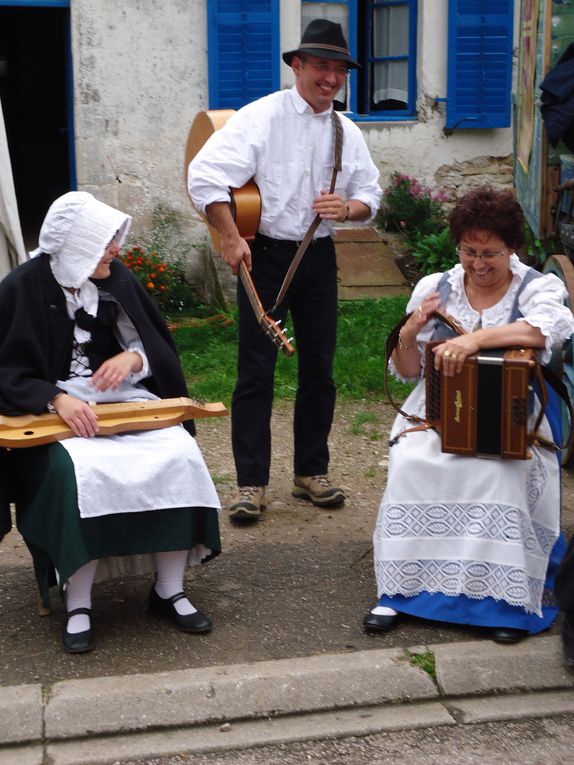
[288, 150]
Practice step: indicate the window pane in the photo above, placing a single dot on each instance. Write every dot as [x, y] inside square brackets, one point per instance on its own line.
[331, 11]
[391, 31]
[391, 84]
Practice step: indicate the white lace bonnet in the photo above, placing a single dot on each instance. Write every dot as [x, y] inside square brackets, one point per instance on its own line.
[75, 233]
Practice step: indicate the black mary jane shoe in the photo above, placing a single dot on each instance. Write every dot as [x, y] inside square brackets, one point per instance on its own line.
[507, 635]
[78, 642]
[379, 622]
[197, 622]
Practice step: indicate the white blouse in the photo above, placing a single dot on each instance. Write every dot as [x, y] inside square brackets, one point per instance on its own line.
[541, 304]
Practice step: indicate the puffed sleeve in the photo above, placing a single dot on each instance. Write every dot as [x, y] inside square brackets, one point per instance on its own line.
[541, 304]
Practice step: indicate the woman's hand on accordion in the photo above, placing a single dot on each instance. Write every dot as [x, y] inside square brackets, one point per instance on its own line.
[451, 355]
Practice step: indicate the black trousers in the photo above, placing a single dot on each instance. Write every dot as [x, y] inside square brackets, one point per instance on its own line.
[312, 302]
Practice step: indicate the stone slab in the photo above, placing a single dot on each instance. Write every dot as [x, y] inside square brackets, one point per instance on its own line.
[352, 233]
[515, 707]
[363, 721]
[20, 714]
[22, 755]
[367, 264]
[112, 705]
[486, 667]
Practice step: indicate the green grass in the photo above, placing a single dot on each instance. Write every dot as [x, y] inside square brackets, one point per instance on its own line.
[425, 661]
[209, 354]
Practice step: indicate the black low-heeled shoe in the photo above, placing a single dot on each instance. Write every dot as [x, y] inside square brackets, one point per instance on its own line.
[197, 622]
[379, 622]
[507, 635]
[78, 642]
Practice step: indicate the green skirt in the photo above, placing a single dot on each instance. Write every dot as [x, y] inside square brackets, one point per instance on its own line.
[47, 516]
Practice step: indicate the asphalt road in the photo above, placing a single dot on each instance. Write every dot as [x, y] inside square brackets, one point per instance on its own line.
[528, 742]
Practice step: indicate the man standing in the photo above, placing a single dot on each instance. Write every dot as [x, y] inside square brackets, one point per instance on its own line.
[285, 141]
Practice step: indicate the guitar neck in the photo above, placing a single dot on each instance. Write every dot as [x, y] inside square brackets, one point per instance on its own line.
[267, 324]
[247, 282]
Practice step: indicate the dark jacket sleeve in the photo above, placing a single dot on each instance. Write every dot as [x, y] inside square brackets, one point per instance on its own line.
[35, 338]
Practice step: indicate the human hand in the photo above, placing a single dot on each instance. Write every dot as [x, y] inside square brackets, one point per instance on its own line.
[330, 207]
[451, 355]
[234, 250]
[114, 371]
[419, 318]
[78, 415]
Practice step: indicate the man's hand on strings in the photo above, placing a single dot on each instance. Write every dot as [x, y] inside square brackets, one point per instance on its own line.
[234, 250]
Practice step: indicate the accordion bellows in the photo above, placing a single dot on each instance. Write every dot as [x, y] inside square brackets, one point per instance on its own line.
[483, 410]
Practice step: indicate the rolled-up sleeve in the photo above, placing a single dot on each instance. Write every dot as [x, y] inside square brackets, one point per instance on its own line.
[363, 183]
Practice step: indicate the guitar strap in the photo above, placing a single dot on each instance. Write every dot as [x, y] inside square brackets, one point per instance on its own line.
[337, 166]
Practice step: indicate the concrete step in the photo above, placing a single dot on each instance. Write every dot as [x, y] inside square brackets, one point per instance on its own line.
[366, 263]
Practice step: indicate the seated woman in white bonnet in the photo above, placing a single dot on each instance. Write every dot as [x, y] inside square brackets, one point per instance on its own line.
[77, 327]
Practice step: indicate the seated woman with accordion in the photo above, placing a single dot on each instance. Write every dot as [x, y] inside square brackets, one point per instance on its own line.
[463, 539]
[76, 327]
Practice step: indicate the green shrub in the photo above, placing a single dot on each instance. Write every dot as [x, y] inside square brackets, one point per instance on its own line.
[412, 208]
[435, 252]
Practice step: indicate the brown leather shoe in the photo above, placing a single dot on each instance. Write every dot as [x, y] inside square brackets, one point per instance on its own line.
[249, 505]
[318, 489]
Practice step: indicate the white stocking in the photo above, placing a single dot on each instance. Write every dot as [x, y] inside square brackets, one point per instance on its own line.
[79, 595]
[170, 570]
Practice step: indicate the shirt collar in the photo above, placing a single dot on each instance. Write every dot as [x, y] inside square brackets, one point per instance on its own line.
[302, 107]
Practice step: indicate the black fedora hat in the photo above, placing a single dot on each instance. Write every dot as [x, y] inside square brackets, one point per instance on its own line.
[323, 39]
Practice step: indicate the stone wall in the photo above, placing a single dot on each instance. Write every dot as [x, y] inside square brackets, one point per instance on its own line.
[460, 177]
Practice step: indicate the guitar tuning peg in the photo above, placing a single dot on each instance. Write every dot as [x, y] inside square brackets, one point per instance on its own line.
[278, 322]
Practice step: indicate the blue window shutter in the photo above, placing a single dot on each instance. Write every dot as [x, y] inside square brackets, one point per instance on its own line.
[243, 51]
[480, 38]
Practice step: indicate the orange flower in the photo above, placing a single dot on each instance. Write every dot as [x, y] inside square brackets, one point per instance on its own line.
[162, 287]
[150, 285]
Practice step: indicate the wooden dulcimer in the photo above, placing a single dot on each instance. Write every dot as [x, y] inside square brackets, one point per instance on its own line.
[36, 430]
[246, 210]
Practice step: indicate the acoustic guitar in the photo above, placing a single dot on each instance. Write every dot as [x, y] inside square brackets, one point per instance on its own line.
[246, 210]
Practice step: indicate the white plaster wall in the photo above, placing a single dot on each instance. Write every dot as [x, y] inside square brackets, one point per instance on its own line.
[420, 148]
[140, 76]
[140, 73]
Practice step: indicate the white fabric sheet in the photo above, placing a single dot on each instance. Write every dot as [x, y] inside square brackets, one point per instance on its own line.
[136, 472]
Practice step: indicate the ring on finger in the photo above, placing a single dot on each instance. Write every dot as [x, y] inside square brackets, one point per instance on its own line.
[447, 354]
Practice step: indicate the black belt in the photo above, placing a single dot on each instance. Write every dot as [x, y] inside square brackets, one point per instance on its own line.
[268, 240]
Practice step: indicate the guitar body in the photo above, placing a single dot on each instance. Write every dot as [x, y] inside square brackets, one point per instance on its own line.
[246, 201]
[246, 210]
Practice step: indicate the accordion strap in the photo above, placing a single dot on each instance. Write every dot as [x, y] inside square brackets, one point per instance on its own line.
[391, 344]
[543, 376]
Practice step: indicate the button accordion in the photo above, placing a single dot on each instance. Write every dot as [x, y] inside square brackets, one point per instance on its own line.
[482, 411]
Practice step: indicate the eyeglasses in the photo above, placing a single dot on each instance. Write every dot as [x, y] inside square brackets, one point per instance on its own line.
[326, 68]
[486, 256]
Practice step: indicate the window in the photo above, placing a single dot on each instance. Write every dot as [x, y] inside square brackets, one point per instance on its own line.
[243, 43]
[480, 40]
[382, 38]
